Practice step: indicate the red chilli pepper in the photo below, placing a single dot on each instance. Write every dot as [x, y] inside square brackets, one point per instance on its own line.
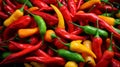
[72, 7]
[92, 18]
[50, 20]
[63, 33]
[107, 57]
[79, 4]
[7, 8]
[66, 15]
[22, 22]
[21, 53]
[3, 15]
[50, 1]
[10, 4]
[115, 63]
[96, 45]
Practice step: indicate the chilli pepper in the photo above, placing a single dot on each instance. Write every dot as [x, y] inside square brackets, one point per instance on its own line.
[69, 55]
[72, 7]
[118, 14]
[71, 64]
[7, 8]
[61, 23]
[41, 25]
[22, 22]
[16, 15]
[33, 40]
[107, 56]
[96, 44]
[110, 20]
[92, 18]
[92, 30]
[117, 54]
[66, 14]
[23, 33]
[115, 63]
[33, 9]
[89, 4]
[21, 53]
[88, 59]
[29, 4]
[10, 4]
[3, 15]
[63, 33]
[50, 20]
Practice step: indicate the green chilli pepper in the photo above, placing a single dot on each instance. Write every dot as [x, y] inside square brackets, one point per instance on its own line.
[69, 55]
[92, 30]
[5, 54]
[29, 4]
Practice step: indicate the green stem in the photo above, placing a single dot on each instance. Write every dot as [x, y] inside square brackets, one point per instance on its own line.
[22, 8]
[60, 4]
[110, 47]
[97, 31]
[53, 49]
[92, 8]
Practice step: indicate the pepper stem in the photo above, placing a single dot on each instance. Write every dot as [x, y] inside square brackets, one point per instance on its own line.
[110, 47]
[4, 3]
[77, 25]
[22, 8]
[97, 31]
[60, 4]
[117, 21]
[53, 49]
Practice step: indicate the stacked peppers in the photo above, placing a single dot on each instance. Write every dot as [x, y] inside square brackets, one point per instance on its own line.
[59, 33]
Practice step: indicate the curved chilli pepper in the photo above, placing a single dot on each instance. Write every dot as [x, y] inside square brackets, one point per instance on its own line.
[61, 23]
[72, 7]
[50, 20]
[69, 55]
[22, 22]
[21, 53]
[78, 47]
[71, 64]
[41, 25]
[115, 63]
[110, 20]
[33, 9]
[48, 34]
[7, 8]
[96, 45]
[50, 1]
[107, 56]
[89, 4]
[61, 32]
[10, 4]
[92, 17]
[56, 60]
[66, 14]
[88, 59]
[3, 15]
[29, 4]
[92, 30]
[33, 40]
[23, 33]
[15, 15]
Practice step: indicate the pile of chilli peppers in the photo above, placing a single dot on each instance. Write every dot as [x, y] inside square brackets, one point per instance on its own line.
[59, 33]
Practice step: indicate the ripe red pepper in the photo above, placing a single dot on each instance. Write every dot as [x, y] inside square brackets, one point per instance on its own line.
[63, 33]
[3, 15]
[50, 20]
[92, 18]
[107, 57]
[10, 4]
[117, 54]
[115, 63]
[96, 45]
[33, 40]
[79, 4]
[72, 7]
[22, 22]
[77, 31]
[52, 60]
[50, 1]
[21, 53]
[96, 11]
[66, 14]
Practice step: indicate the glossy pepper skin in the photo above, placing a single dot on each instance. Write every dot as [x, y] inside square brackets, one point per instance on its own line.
[115, 63]
[10, 4]
[29, 4]
[20, 23]
[3, 15]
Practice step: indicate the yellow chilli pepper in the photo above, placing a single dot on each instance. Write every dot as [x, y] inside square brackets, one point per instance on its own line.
[33, 9]
[71, 64]
[48, 34]
[35, 64]
[109, 20]
[88, 59]
[89, 4]
[27, 65]
[22, 33]
[16, 15]
[61, 23]
[80, 48]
